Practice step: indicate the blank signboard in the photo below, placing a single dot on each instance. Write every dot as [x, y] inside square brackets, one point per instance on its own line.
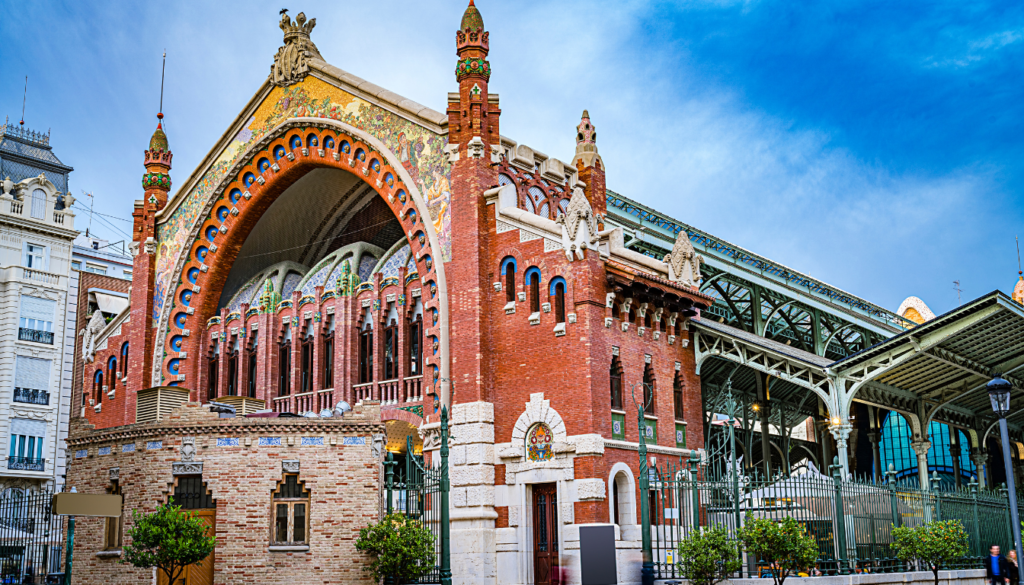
[597, 555]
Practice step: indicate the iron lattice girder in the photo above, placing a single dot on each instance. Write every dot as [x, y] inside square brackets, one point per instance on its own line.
[710, 342]
[628, 213]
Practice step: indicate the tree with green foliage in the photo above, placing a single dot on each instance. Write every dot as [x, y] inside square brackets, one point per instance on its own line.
[707, 556]
[169, 539]
[936, 543]
[403, 548]
[783, 545]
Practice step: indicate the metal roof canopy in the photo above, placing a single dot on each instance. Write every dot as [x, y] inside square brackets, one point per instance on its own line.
[935, 371]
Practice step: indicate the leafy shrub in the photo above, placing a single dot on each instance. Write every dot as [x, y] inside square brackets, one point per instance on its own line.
[935, 544]
[402, 547]
[785, 546]
[708, 557]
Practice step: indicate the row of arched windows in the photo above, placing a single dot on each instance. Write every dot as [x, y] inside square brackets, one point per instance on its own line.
[531, 282]
[649, 389]
[113, 373]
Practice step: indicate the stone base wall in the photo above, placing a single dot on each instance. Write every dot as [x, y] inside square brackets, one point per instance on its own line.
[963, 577]
[337, 461]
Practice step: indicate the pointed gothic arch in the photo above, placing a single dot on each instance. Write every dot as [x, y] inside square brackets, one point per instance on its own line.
[247, 191]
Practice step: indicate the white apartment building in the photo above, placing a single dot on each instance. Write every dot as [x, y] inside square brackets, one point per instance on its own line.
[37, 311]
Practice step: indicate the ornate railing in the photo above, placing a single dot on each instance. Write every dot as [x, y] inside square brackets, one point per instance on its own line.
[30, 531]
[361, 392]
[41, 277]
[26, 464]
[389, 391]
[413, 389]
[32, 396]
[35, 335]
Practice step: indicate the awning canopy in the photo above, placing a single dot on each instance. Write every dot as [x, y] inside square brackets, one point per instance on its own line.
[109, 302]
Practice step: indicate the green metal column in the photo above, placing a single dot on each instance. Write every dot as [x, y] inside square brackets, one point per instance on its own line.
[446, 535]
[976, 533]
[837, 477]
[71, 548]
[647, 572]
[694, 474]
[755, 309]
[893, 500]
[389, 481]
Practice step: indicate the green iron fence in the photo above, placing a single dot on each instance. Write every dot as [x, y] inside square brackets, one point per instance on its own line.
[32, 540]
[420, 493]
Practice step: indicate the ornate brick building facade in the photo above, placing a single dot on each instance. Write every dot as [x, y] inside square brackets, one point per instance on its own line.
[343, 244]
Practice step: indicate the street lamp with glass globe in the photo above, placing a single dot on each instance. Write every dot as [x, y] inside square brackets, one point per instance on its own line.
[999, 394]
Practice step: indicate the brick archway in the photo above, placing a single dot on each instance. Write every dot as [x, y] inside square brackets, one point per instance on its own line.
[293, 149]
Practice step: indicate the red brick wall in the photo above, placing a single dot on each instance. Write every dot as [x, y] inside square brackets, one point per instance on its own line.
[87, 280]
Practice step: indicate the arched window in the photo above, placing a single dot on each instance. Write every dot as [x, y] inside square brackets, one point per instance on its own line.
[112, 372]
[677, 395]
[415, 343]
[896, 449]
[213, 371]
[284, 363]
[390, 345]
[97, 386]
[615, 373]
[327, 359]
[254, 341]
[557, 290]
[306, 360]
[532, 280]
[233, 368]
[508, 270]
[650, 385]
[366, 349]
[124, 360]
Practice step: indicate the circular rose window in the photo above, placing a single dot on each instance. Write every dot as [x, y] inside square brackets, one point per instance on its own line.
[538, 443]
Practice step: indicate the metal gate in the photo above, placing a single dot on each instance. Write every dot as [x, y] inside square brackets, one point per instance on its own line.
[32, 539]
[421, 493]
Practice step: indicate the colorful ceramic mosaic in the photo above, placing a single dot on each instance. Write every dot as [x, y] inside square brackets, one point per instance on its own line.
[319, 277]
[291, 282]
[419, 150]
[365, 270]
[539, 443]
[393, 260]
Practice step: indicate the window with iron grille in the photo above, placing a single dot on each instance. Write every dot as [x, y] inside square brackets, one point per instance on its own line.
[290, 523]
[677, 395]
[615, 374]
[191, 493]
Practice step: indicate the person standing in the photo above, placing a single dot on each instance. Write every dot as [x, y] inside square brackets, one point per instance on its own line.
[997, 568]
[1011, 561]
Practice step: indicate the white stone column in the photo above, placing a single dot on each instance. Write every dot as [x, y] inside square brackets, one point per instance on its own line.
[922, 448]
[841, 433]
[979, 458]
[471, 465]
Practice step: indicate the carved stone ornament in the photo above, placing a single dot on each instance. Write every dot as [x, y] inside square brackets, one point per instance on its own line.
[684, 262]
[188, 449]
[150, 246]
[579, 212]
[96, 324]
[475, 148]
[191, 468]
[290, 466]
[378, 446]
[115, 473]
[133, 248]
[291, 63]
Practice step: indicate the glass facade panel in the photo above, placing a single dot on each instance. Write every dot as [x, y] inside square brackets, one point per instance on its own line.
[896, 450]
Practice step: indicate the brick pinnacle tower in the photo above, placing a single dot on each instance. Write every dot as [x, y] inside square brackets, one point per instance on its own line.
[473, 130]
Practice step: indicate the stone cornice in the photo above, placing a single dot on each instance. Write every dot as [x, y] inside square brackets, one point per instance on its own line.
[237, 426]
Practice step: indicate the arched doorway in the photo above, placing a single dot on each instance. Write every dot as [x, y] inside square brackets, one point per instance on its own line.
[297, 151]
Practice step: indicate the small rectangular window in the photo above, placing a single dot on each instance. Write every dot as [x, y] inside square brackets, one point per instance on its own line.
[291, 512]
[76, 265]
[35, 256]
[96, 269]
[127, 274]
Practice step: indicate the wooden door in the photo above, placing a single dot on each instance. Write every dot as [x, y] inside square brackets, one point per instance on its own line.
[200, 573]
[545, 534]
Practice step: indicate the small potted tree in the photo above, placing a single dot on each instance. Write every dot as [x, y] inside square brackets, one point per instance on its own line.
[708, 557]
[934, 544]
[784, 545]
[403, 549]
[169, 539]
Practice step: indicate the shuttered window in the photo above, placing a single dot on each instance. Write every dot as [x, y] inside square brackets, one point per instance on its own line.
[39, 204]
[27, 439]
[32, 373]
[37, 313]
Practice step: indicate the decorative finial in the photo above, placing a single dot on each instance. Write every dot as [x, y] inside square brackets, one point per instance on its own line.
[160, 112]
[586, 143]
[1018, 291]
[291, 61]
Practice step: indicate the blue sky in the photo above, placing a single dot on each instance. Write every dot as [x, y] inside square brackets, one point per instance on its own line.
[874, 145]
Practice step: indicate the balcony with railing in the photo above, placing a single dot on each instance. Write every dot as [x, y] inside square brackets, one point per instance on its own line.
[26, 464]
[32, 396]
[35, 335]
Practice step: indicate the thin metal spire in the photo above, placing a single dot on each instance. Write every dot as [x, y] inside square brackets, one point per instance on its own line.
[24, 97]
[1019, 271]
[163, 69]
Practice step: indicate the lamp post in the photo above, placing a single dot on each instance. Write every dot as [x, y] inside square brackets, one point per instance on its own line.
[999, 394]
